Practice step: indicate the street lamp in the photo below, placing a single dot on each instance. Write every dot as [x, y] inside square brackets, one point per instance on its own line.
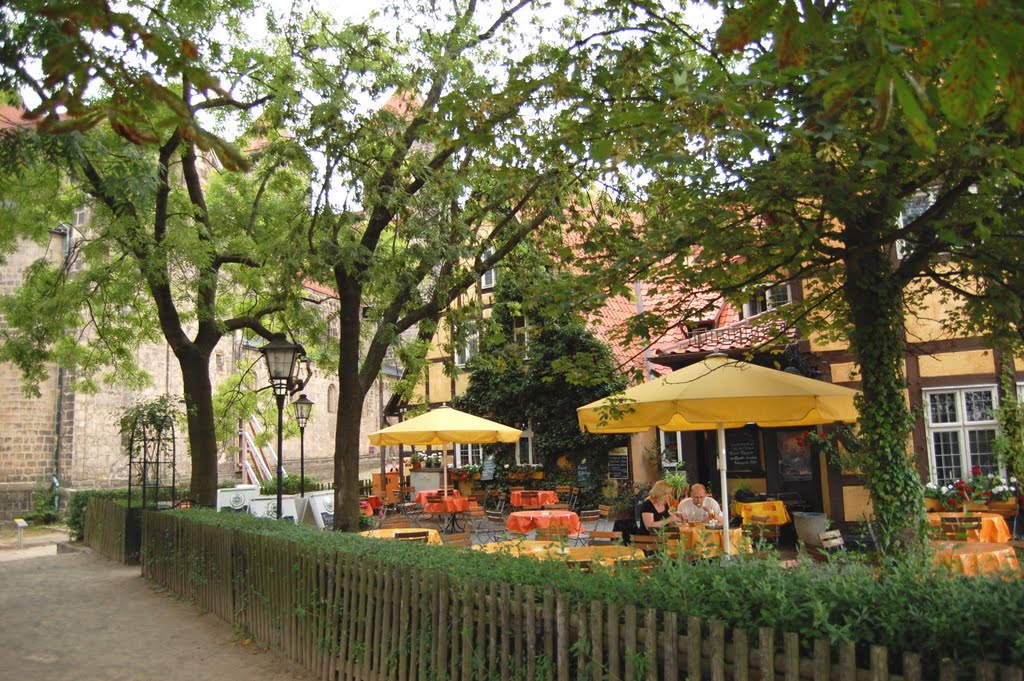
[280, 356]
[303, 407]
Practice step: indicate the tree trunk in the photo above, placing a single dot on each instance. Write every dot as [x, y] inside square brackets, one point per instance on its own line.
[874, 297]
[350, 408]
[202, 433]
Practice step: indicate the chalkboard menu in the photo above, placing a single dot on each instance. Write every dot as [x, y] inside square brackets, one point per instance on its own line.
[618, 466]
[487, 471]
[742, 452]
[583, 472]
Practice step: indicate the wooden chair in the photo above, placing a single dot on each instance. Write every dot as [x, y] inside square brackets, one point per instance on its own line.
[588, 524]
[604, 510]
[650, 544]
[832, 540]
[395, 520]
[574, 497]
[457, 539]
[556, 507]
[516, 489]
[418, 536]
[495, 524]
[555, 533]
[529, 500]
[599, 538]
[960, 528]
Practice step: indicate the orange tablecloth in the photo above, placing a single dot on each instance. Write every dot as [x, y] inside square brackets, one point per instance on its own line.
[543, 497]
[993, 526]
[421, 497]
[365, 508]
[433, 536]
[543, 550]
[708, 543]
[447, 505]
[974, 558]
[775, 511]
[374, 501]
[524, 521]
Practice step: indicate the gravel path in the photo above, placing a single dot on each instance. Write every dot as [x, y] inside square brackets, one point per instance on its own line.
[77, 617]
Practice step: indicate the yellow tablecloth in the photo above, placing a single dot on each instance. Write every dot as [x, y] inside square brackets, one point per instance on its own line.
[545, 550]
[994, 529]
[775, 511]
[705, 543]
[975, 558]
[433, 536]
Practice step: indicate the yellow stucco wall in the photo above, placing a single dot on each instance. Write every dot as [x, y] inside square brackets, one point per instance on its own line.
[857, 504]
[957, 363]
[440, 384]
[844, 372]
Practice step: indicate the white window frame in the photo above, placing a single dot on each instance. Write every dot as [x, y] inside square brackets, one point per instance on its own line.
[469, 455]
[768, 298]
[487, 278]
[469, 349]
[526, 439]
[663, 439]
[521, 331]
[962, 429]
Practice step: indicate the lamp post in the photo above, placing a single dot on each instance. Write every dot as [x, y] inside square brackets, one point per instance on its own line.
[280, 356]
[303, 407]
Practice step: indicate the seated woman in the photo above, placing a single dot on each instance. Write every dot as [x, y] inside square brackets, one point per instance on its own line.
[654, 513]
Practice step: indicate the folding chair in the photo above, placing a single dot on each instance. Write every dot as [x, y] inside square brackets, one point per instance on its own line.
[419, 536]
[555, 533]
[496, 524]
[604, 510]
[574, 497]
[588, 524]
[556, 507]
[395, 520]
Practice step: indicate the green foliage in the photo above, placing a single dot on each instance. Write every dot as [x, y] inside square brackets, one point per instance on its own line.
[44, 503]
[149, 418]
[543, 383]
[79, 500]
[289, 484]
[910, 604]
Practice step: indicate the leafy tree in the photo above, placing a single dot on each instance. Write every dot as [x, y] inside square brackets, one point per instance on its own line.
[790, 161]
[175, 248]
[59, 54]
[477, 148]
[562, 366]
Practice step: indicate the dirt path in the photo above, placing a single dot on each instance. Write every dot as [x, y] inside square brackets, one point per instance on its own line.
[76, 617]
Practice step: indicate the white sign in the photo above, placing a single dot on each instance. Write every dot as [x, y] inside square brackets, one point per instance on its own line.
[237, 498]
[266, 507]
[320, 509]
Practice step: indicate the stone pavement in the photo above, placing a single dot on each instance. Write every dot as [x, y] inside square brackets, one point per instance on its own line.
[77, 617]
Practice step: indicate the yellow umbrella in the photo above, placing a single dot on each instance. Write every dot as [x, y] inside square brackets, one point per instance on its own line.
[442, 426]
[719, 393]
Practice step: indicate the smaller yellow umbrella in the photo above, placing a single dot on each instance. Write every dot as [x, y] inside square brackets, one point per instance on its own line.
[442, 426]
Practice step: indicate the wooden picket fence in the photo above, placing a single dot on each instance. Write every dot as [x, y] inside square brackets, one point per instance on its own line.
[111, 529]
[343, 620]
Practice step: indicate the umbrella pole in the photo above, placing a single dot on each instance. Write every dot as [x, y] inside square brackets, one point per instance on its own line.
[725, 490]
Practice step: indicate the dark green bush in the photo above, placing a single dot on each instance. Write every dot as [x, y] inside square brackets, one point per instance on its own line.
[906, 604]
[289, 485]
[77, 503]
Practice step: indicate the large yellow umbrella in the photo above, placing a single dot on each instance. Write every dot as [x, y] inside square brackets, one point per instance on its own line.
[443, 426]
[719, 393]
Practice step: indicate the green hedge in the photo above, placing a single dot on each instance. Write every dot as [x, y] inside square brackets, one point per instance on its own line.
[906, 604]
[77, 503]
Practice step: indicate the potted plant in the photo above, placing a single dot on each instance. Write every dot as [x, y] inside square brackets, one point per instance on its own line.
[679, 483]
[934, 497]
[415, 461]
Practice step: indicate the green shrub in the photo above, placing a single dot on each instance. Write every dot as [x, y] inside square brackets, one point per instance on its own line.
[289, 485]
[44, 506]
[906, 604]
[77, 503]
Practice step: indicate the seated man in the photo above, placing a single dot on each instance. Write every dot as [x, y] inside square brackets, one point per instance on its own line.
[699, 507]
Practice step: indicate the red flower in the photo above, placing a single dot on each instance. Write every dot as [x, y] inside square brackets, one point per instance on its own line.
[976, 470]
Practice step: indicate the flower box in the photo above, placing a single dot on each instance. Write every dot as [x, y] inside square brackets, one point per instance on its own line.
[932, 505]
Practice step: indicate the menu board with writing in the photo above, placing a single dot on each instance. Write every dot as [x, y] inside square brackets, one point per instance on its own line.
[583, 472]
[742, 452]
[487, 470]
[618, 466]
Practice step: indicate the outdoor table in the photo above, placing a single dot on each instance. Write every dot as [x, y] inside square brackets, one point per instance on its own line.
[976, 558]
[774, 511]
[524, 521]
[994, 529]
[433, 536]
[421, 496]
[705, 542]
[450, 506]
[543, 497]
[545, 550]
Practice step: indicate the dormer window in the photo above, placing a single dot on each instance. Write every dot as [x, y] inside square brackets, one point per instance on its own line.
[767, 299]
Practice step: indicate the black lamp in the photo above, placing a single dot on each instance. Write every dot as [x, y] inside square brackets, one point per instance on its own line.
[303, 408]
[280, 356]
